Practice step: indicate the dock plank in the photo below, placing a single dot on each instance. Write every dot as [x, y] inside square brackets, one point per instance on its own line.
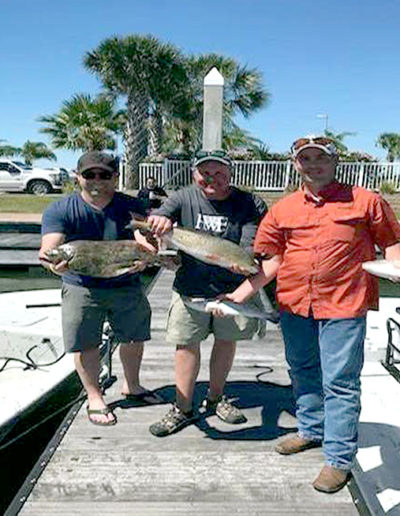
[206, 469]
[19, 249]
[19, 240]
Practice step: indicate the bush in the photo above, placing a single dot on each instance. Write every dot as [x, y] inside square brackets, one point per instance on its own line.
[70, 187]
[387, 188]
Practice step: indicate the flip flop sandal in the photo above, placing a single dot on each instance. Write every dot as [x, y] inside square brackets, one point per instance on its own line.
[103, 412]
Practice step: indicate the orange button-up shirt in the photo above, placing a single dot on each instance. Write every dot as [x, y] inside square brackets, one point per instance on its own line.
[323, 242]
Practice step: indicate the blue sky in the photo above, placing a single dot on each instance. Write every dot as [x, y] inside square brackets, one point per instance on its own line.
[337, 57]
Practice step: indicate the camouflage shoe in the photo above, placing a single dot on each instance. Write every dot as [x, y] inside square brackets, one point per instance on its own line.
[224, 409]
[173, 421]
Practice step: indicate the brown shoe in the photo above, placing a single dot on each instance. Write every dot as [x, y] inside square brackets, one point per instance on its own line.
[296, 444]
[331, 480]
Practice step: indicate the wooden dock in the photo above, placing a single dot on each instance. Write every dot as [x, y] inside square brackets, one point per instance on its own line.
[207, 469]
[19, 245]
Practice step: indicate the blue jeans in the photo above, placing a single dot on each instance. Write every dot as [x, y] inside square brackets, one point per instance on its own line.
[325, 358]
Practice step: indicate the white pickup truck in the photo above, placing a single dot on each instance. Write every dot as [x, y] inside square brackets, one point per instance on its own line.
[18, 177]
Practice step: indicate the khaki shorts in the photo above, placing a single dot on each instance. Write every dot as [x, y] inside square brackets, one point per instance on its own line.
[186, 325]
[84, 311]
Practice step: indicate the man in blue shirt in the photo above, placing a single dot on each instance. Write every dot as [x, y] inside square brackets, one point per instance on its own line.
[98, 212]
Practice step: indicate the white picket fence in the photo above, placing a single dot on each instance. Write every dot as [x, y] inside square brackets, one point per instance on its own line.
[273, 175]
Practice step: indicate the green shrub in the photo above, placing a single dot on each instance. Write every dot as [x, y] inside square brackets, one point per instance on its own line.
[387, 188]
[70, 187]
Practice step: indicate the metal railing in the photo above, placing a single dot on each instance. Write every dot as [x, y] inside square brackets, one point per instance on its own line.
[273, 175]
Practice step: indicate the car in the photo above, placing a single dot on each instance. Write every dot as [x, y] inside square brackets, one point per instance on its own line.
[16, 176]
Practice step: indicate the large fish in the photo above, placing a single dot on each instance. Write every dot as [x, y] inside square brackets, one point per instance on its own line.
[383, 268]
[206, 248]
[107, 258]
[230, 309]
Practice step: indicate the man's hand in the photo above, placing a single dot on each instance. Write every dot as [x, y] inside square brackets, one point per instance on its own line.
[396, 264]
[160, 224]
[234, 297]
[148, 242]
[58, 268]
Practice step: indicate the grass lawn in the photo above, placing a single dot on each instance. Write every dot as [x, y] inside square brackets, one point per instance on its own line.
[28, 203]
[25, 203]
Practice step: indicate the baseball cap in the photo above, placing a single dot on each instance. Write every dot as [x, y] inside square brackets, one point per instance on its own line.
[214, 155]
[316, 142]
[97, 159]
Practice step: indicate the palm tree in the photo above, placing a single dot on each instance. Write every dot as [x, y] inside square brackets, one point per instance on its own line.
[7, 151]
[32, 151]
[338, 138]
[237, 140]
[85, 123]
[391, 143]
[152, 78]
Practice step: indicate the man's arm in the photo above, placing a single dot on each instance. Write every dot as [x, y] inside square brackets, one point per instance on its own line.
[252, 285]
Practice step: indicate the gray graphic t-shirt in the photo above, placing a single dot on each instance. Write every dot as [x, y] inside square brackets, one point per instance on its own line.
[235, 218]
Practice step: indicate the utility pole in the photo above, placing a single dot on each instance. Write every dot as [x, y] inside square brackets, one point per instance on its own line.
[325, 117]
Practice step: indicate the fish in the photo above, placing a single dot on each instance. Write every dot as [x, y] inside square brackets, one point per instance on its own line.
[230, 309]
[108, 258]
[207, 248]
[383, 268]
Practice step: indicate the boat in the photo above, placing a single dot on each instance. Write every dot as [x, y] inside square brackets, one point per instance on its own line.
[32, 359]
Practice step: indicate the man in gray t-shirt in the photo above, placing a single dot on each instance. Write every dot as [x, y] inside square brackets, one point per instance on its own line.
[213, 206]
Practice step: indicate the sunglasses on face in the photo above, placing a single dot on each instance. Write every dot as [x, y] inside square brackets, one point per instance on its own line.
[89, 174]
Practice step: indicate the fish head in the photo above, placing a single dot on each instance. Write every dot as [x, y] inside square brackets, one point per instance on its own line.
[61, 253]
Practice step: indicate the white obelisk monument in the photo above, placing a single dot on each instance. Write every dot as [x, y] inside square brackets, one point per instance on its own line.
[212, 110]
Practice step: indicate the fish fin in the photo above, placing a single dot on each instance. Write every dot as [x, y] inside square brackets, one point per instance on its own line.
[137, 216]
[171, 263]
[123, 270]
[114, 273]
[167, 252]
[138, 222]
[212, 256]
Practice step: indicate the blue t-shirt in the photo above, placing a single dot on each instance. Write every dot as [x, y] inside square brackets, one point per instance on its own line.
[78, 220]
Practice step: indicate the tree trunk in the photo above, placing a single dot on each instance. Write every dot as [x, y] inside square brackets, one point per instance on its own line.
[136, 137]
[155, 134]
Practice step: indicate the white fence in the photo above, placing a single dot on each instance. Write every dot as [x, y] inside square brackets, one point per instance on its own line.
[273, 175]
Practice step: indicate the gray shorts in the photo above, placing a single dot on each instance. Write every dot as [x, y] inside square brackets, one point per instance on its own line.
[186, 325]
[84, 311]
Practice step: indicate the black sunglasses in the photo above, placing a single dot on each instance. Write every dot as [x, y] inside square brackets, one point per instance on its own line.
[89, 174]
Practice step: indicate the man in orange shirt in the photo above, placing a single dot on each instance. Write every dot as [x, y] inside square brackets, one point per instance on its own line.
[315, 241]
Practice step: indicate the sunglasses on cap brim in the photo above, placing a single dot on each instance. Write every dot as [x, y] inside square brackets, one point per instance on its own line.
[320, 142]
[216, 153]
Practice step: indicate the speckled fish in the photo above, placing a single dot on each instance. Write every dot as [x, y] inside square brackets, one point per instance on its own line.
[106, 258]
[230, 309]
[206, 248]
[383, 268]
